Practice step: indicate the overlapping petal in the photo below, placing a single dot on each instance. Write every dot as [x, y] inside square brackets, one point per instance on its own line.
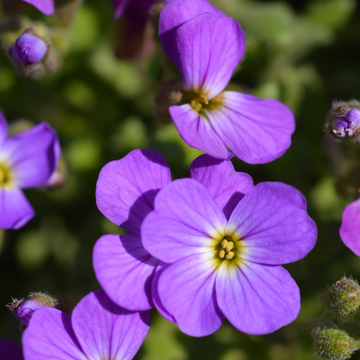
[187, 291]
[125, 269]
[256, 130]
[32, 155]
[224, 184]
[126, 188]
[208, 50]
[197, 131]
[273, 224]
[155, 293]
[350, 227]
[15, 210]
[176, 13]
[106, 331]
[257, 299]
[45, 6]
[49, 336]
[3, 128]
[184, 221]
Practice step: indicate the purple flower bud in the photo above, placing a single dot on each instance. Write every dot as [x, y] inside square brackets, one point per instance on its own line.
[339, 127]
[26, 309]
[29, 48]
[353, 117]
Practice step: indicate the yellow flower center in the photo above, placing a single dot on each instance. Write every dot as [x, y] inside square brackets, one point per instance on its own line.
[6, 177]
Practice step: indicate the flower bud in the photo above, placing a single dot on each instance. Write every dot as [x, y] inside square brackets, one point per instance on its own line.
[24, 308]
[342, 299]
[29, 48]
[333, 343]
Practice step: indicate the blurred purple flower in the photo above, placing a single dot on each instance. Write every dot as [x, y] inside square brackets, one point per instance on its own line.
[9, 350]
[132, 38]
[350, 227]
[206, 47]
[27, 160]
[125, 194]
[97, 329]
[45, 6]
[225, 260]
[29, 48]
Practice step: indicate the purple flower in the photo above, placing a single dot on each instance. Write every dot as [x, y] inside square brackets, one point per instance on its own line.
[350, 227]
[97, 329]
[125, 194]
[206, 49]
[133, 39]
[348, 125]
[10, 350]
[225, 260]
[27, 160]
[45, 6]
[29, 48]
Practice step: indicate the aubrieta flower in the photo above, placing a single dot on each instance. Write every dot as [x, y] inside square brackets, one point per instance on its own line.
[350, 227]
[45, 6]
[206, 47]
[97, 329]
[9, 350]
[29, 48]
[27, 160]
[226, 262]
[125, 194]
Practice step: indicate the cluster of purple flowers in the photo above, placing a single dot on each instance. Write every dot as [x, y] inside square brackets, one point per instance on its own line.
[199, 249]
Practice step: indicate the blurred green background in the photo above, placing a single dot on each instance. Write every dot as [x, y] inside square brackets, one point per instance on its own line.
[304, 53]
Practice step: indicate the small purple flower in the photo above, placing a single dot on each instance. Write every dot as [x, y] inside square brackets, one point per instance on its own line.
[45, 6]
[225, 261]
[29, 48]
[9, 350]
[27, 160]
[125, 194]
[97, 329]
[206, 49]
[350, 227]
[348, 125]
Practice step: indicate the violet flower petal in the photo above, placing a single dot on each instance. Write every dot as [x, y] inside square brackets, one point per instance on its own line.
[126, 188]
[208, 50]
[197, 132]
[185, 220]
[257, 299]
[50, 336]
[10, 350]
[3, 128]
[176, 13]
[273, 224]
[15, 210]
[155, 293]
[224, 184]
[45, 6]
[31, 155]
[350, 227]
[256, 130]
[125, 269]
[106, 331]
[187, 290]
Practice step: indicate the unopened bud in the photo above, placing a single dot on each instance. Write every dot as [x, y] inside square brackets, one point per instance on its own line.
[333, 343]
[29, 48]
[23, 309]
[342, 299]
